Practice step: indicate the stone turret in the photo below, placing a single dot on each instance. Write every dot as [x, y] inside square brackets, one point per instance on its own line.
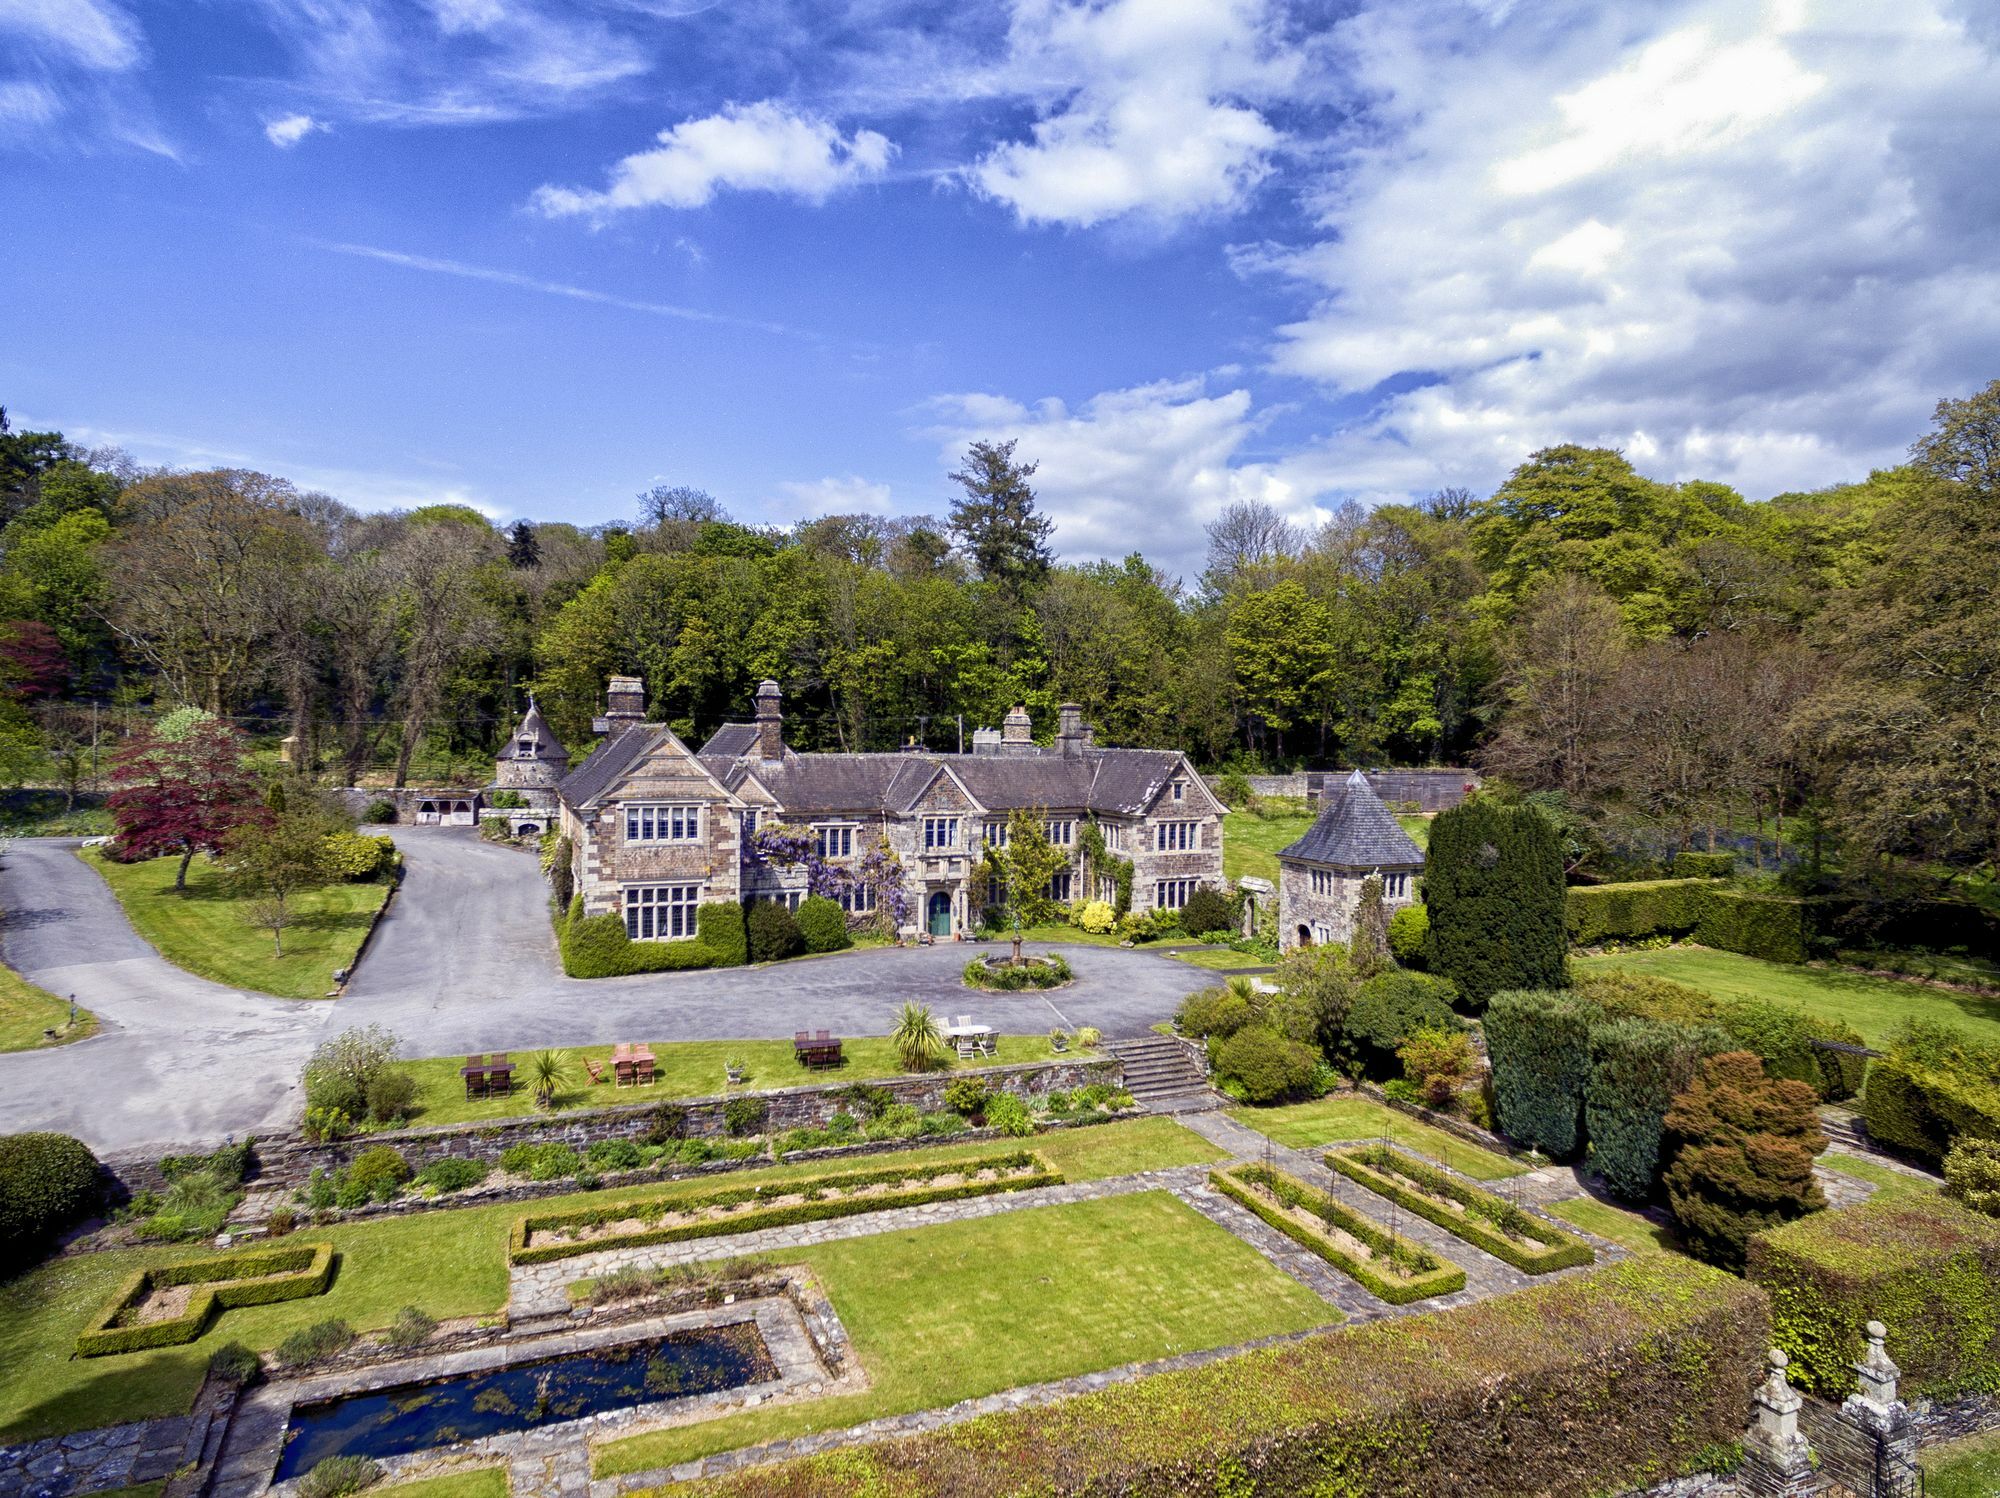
[527, 769]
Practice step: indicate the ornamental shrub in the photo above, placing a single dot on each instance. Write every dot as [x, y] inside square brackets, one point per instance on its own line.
[1437, 1062]
[1009, 1115]
[1369, 946]
[1638, 1067]
[380, 811]
[1783, 1037]
[359, 855]
[1935, 1086]
[774, 933]
[1207, 909]
[392, 1093]
[338, 1075]
[1972, 1175]
[1927, 1268]
[1214, 1012]
[1267, 1065]
[823, 925]
[1743, 1155]
[411, 1328]
[1097, 917]
[1493, 882]
[966, 1095]
[380, 1172]
[1392, 1006]
[453, 1173]
[233, 1363]
[315, 1344]
[47, 1183]
[1539, 1044]
[745, 1115]
[1409, 935]
[719, 927]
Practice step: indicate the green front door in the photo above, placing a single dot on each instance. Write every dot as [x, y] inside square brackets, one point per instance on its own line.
[940, 914]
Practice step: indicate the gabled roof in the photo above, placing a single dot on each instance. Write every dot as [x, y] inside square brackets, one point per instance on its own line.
[535, 730]
[610, 759]
[730, 741]
[1355, 830]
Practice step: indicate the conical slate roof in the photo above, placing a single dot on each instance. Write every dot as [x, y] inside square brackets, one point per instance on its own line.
[1354, 830]
[534, 739]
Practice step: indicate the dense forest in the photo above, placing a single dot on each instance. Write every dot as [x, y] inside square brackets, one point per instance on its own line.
[1636, 654]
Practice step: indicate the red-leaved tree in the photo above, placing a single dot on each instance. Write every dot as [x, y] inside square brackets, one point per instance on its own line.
[33, 663]
[181, 791]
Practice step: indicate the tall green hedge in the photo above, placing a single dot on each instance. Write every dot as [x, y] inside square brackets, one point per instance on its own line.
[1934, 1086]
[1539, 1042]
[1493, 883]
[1926, 1268]
[1767, 926]
[596, 946]
[1628, 912]
[719, 927]
[47, 1183]
[1636, 1068]
[1691, 865]
[1480, 1402]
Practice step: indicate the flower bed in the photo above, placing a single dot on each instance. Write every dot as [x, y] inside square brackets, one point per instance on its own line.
[255, 1278]
[1004, 975]
[1479, 1217]
[713, 1213]
[1390, 1267]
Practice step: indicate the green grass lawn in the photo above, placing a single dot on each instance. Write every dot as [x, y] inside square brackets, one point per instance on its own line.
[1963, 1469]
[1876, 1007]
[26, 1011]
[1250, 842]
[690, 1068]
[1891, 1185]
[1222, 961]
[485, 1482]
[1640, 1234]
[945, 1313]
[450, 1263]
[206, 930]
[1336, 1119]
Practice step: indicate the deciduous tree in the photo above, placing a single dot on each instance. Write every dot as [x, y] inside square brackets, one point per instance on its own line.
[180, 787]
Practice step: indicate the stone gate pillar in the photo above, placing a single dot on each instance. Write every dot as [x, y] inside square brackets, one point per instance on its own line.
[1777, 1462]
[1876, 1411]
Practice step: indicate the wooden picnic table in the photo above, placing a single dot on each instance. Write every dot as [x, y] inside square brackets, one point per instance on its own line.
[819, 1049]
[484, 1075]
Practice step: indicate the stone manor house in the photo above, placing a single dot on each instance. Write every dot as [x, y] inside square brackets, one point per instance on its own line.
[659, 828]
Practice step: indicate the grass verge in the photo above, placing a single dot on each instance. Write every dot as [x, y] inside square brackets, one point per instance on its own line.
[1890, 1185]
[1344, 1117]
[1228, 962]
[487, 1482]
[27, 1012]
[1963, 1469]
[956, 1311]
[1628, 1229]
[207, 931]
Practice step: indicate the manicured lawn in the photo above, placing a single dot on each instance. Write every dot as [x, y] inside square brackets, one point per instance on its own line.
[1891, 1185]
[206, 930]
[1640, 1234]
[692, 1068]
[486, 1482]
[26, 1011]
[1876, 1007]
[451, 1263]
[953, 1312]
[1250, 843]
[1223, 961]
[1335, 1119]
[1962, 1469]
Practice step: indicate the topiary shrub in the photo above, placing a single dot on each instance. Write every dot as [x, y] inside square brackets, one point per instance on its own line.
[1972, 1175]
[1268, 1066]
[1638, 1067]
[1539, 1044]
[1743, 1155]
[823, 925]
[1409, 935]
[1493, 882]
[719, 927]
[48, 1182]
[1392, 1006]
[774, 933]
[1207, 909]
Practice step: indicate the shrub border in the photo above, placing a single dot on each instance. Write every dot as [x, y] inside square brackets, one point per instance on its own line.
[259, 1277]
[1441, 1281]
[1565, 1250]
[521, 1251]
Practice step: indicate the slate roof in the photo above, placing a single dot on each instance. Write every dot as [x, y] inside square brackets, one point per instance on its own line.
[1355, 830]
[730, 741]
[610, 759]
[535, 727]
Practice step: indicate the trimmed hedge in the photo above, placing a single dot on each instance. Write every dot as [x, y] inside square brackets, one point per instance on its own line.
[1539, 1043]
[521, 1250]
[719, 927]
[1627, 912]
[1372, 1166]
[1661, 1355]
[823, 925]
[597, 947]
[1247, 1185]
[47, 1182]
[1691, 865]
[1931, 1089]
[1637, 1068]
[1926, 1268]
[257, 1277]
[1493, 883]
[1767, 926]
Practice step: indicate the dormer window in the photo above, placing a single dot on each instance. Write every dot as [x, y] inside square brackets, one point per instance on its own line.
[527, 748]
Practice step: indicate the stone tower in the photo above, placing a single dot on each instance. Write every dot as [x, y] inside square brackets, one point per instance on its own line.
[530, 765]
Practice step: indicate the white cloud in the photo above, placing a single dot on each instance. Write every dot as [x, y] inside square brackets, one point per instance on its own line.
[1749, 242]
[852, 495]
[1151, 112]
[90, 34]
[288, 130]
[762, 147]
[25, 106]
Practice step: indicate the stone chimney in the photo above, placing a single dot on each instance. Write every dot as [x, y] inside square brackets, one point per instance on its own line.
[624, 703]
[770, 722]
[985, 741]
[1072, 738]
[1017, 728]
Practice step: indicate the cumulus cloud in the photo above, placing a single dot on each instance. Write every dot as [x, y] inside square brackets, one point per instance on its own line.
[763, 147]
[1751, 242]
[288, 130]
[1151, 110]
[852, 495]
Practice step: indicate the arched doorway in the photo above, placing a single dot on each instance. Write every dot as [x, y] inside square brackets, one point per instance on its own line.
[938, 914]
[1305, 936]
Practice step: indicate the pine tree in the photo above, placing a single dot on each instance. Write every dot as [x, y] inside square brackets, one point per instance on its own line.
[523, 550]
[1745, 1159]
[996, 521]
[1493, 883]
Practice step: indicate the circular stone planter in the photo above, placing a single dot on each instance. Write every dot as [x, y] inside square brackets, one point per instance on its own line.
[1000, 974]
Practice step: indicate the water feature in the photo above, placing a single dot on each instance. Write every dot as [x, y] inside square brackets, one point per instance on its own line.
[467, 1406]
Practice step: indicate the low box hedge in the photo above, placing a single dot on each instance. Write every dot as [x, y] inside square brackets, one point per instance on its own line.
[257, 1277]
[521, 1249]
[1241, 1184]
[1597, 1383]
[1628, 912]
[1924, 1267]
[1371, 1167]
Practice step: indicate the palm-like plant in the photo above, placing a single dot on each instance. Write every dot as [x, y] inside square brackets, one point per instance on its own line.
[548, 1076]
[919, 1042]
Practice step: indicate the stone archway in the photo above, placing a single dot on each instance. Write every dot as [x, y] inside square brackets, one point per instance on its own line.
[1305, 936]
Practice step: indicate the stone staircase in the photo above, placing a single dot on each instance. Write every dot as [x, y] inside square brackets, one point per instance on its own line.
[1161, 1075]
[1845, 1129]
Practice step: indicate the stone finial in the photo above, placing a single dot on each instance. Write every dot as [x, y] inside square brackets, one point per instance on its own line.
[1778, 1403]
[1877, 1371]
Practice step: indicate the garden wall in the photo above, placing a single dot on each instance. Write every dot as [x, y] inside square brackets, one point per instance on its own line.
[291, 1164]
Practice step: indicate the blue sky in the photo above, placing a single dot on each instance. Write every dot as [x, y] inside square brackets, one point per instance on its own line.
[537, 256]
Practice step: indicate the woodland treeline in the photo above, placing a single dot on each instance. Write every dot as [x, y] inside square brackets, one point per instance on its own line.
[1635, 653]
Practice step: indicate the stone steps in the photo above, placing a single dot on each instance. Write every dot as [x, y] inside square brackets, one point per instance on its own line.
[1160, 1074]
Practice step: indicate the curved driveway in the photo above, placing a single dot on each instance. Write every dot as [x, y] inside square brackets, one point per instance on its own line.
[464, 960]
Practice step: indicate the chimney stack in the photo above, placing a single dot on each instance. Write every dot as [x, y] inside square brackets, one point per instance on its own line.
[624, 704]
[770, 722]
[1072, 738]
[1017, 729]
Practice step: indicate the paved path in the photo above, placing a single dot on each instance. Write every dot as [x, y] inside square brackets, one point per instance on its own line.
[177, 1060]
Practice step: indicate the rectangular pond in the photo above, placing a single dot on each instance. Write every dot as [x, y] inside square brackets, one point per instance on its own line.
[467, 1406]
